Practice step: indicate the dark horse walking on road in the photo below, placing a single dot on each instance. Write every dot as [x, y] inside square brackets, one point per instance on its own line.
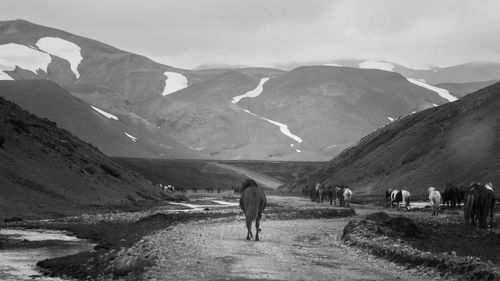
[252, 202]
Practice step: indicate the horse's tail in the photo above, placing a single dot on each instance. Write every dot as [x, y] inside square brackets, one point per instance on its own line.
[252, 210]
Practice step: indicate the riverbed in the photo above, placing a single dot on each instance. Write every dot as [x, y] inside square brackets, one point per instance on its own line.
[23, 248]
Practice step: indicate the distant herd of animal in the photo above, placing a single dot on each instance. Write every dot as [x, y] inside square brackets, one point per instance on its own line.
[478, 199]
[171, 188]
[320, 193]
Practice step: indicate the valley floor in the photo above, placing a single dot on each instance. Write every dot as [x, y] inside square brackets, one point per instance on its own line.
[288, 250]
[300, 240]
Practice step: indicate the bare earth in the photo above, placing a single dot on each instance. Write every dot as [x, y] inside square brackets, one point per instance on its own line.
[289, 250]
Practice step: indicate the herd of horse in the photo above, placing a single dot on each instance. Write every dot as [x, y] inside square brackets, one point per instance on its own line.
[320, 193]
[478, 200]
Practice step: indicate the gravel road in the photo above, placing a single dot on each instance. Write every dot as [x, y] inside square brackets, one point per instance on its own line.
[288, 250]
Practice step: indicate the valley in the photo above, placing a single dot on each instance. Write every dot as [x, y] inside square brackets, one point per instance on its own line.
[145, 161]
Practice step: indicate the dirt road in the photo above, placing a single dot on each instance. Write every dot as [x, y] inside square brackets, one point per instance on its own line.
[288, 250]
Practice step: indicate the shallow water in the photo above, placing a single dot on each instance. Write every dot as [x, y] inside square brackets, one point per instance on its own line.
[19, 262]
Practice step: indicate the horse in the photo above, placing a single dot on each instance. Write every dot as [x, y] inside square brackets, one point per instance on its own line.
[401, 196]
[339, 193]
[320, 192]
[393, 196]
[435, 199]
[480, 200]
[252, 202]
[330, 194]
[347, 196]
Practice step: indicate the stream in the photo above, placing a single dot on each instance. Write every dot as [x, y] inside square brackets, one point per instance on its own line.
[24, 248]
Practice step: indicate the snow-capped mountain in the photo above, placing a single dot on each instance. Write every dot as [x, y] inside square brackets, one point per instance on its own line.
[306, 113]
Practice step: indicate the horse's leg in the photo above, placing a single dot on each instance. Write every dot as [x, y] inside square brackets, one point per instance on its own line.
[257, 226]
[249, 229]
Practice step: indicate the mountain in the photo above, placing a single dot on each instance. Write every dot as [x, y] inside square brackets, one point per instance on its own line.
[306, 113]
[463, 73]
[115, 135]
[456, 142]
[46, 171]
[461, 89]
[328, 107]
[98, 73]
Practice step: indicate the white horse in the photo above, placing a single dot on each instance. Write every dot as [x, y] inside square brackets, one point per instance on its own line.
[347, 196]
[435, 199]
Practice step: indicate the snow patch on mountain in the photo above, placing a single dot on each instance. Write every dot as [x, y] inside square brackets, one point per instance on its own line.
[134, 139]
[104, 113]
[332, 64]
[63, 49]
[440, 91]
[253, 93]
[376, 65]
[12, 55]
[283, 128]
[5, 76]
[174, 82]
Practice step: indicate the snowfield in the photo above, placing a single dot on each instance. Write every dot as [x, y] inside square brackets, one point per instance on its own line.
[63, 49]
[5, 76]
[256, 92]
[12, 55]
[376, 65]
[283, 128]
[440, 91]
[104, 113]
[174, 82]
[134, 139]
[253, 93]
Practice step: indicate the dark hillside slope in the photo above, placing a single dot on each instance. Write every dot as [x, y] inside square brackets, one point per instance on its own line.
[46, 171]
[458, 142]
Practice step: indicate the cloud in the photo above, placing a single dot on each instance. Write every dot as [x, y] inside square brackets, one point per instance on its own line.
[187, 33]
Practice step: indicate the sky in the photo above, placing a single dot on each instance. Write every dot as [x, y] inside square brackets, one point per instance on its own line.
[189, 33]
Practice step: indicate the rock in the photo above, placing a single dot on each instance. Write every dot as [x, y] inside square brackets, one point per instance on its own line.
[379, 217]
[405, 226]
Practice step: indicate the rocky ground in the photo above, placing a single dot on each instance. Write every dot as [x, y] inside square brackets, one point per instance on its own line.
[300, 240]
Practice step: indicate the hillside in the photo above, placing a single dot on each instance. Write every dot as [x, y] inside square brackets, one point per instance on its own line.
[330, 107]
[46, 171]
[456, 142]
[102, 75]
[115, 135]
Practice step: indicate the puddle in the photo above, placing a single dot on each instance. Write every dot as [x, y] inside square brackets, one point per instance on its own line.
[18, 261]
[200, 207]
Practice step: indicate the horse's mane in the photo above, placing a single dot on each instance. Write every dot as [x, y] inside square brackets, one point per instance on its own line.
[247, 183]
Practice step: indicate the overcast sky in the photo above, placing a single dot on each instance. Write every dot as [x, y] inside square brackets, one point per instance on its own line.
[187, 33]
